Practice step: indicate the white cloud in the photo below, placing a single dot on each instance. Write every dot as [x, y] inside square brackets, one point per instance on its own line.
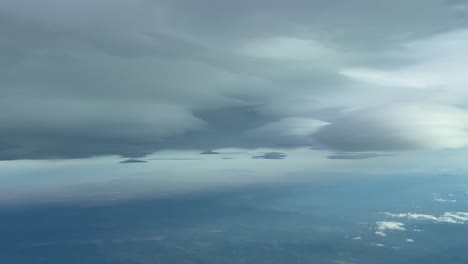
[444, 200]
[383, 227]
[377, 244]
[448, 217]
[409, 240]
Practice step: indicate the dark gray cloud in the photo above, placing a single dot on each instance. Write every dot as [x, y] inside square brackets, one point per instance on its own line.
[128, 78]
[355, 156]
[271, 155]
[209, 152]
[127, 161]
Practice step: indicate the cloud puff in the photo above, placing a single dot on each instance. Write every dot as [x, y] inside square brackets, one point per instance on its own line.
[383, 227]
[271, 155]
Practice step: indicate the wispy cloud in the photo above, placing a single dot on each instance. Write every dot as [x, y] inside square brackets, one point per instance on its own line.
[444, 200]
[448, 217]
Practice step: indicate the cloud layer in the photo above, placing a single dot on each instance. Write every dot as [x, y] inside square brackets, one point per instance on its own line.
[447, 217]
[87, 78]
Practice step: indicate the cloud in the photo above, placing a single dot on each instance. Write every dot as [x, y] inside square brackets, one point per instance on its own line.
[448, 217]
[209, 152]
[271, 155]
[397, 127]
[133, 161]
[439, 65]
[383, 227]
[175, 159]
[49, 128]
[292, 131]
[355, 156]
[377, 244]
[409, 240]
[444, 200]
[86, 78]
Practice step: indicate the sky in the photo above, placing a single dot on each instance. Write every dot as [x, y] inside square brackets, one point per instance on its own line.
[167, 96]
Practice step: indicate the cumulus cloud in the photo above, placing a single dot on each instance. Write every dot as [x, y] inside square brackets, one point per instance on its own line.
[383, 227]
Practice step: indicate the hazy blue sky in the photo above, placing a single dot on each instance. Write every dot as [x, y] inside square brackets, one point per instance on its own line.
[267, 90]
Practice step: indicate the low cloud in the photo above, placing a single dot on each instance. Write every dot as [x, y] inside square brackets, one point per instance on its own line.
[448, 217]
[127, 161]
[271, 155]
[440, 200]
[355, 156]
[377, 244]
[383, 227]
[209, 152]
